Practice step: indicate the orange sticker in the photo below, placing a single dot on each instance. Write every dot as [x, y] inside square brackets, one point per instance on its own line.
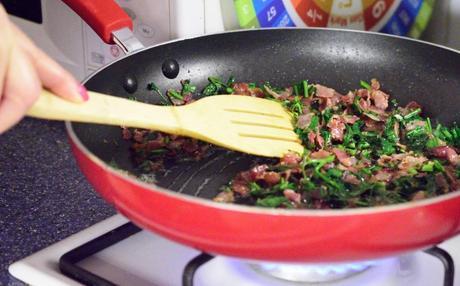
[311, 13]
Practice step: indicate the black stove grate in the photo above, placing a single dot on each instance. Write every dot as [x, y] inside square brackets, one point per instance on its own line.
[447, 261]
[192, 267]
[68, 262]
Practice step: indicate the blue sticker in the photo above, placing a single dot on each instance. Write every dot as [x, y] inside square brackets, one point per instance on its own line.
[259, 5]
[394, 27]
[271, 14]
[403, 18]
[284, 21]
[412, 6]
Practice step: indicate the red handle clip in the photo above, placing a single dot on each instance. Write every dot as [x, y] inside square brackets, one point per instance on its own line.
[103, 16]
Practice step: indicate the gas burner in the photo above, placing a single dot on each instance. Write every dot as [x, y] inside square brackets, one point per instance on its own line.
[115, 252]
[313, 273]
[306, 273]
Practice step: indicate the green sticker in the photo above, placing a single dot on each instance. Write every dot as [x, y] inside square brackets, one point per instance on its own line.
[246, 14]
[422, 19]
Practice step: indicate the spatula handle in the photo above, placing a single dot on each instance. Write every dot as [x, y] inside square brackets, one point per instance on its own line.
[106, 109]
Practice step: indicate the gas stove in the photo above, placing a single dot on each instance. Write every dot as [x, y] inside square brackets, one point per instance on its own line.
[116, 252]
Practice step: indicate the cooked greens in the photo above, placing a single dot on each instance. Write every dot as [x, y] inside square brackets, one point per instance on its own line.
[361, 149]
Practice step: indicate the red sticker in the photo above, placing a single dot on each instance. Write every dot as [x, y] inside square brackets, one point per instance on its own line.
[375, 12]
[311, 13]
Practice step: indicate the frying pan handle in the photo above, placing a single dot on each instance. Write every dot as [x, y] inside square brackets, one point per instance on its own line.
[108, 20]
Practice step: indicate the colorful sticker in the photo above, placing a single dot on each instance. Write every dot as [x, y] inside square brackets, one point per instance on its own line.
[262, 13]
[400, 17]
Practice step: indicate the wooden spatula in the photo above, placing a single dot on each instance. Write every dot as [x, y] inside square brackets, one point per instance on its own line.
[247, 124]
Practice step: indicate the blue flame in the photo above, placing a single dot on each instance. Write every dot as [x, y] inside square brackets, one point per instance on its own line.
[314, 272]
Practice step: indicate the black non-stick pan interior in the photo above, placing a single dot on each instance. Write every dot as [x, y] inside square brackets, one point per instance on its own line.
[408, 70]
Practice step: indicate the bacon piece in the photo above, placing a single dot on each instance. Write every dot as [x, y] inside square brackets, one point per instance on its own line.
[454, 182]
[384, 175]
[411, 125]
[349, 119]
[281, 96]
[328, 96]
[343, 157]
[126, 134]
[155, 144]
[188, 98]
[244, 177]
[190, 145]
[329, 102]
[347, 177]
[336, 127]
[290, 159]
[243, 88]
[405, 161]
[176, 101]
[364, 104]
[292, 196]
[384, 160]
[352, 169]
[375, 84]
[413, 105]
[176, 144]
[363, 93]
[306, 102]
[324, 92]
[224, 197]
[348, 99]
[447, 153]
[139, 135]
[272, 178]
[441, 182]
[311, 137]
[380, 99]
[372, 125]
[319, 140]
[304, 120]
[258, 172]
[240, 188]
[256, 92]
[316, 139]
[320, 154]
[410, 161]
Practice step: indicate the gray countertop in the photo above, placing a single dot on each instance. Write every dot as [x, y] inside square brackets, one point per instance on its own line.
[43, 196]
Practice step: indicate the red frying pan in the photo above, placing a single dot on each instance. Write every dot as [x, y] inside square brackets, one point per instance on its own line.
[178, 205]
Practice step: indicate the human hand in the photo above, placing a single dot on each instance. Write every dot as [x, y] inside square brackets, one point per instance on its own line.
[24, 70]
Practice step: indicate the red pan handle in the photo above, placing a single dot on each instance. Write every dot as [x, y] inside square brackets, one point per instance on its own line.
[103, 16]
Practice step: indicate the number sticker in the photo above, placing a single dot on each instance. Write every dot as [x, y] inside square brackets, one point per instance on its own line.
[379, 8]
[314, 15]
[271, 13]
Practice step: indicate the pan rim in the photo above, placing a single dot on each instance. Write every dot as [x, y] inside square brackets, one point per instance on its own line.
[253, 209]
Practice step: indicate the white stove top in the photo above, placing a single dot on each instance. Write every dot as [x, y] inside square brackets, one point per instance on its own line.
[148, 259]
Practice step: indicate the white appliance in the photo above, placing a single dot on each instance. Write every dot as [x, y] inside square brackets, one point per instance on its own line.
[70, 41]
[444, 27]
[65, 37]
[144, 258]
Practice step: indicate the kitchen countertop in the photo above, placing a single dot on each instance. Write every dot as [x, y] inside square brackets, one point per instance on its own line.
[43, 196]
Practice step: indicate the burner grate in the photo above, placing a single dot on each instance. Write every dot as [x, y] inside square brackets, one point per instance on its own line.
[192, 267]
[447, 261]
[68, 262]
